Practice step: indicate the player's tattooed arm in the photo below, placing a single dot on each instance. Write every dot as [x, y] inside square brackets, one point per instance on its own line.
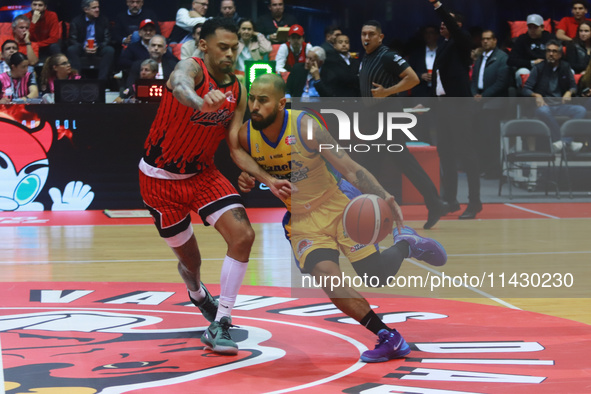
[183, 79]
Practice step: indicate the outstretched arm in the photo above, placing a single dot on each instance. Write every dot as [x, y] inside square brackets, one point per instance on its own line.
[352, 171]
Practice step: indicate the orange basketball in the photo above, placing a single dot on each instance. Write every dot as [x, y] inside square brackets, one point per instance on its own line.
[368, 219]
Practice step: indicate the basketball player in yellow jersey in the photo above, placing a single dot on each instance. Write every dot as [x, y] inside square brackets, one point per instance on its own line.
[271, 138]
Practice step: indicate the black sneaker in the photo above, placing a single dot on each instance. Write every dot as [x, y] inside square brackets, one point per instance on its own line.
[208, 306]
[217, 337]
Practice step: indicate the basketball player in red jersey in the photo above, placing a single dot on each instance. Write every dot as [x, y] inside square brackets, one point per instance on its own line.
[202, 104]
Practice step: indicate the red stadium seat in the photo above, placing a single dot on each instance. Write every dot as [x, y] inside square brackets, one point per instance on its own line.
[577, 78]
[520, 27]
[273, 52]
[166, 28]
[5, 29]
[176, 50]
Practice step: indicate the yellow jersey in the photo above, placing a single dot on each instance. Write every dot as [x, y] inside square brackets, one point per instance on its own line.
[289, 158]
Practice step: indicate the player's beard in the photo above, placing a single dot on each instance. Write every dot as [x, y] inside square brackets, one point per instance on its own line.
[265, 122]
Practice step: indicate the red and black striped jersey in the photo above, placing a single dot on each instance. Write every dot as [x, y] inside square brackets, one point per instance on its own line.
[183, 140]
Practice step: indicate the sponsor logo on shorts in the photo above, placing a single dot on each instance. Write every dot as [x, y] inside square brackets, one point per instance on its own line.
[304, 245]
[357, 247]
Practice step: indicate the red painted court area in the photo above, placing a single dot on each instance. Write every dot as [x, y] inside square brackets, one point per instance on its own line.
[88, 337]
[274, 215]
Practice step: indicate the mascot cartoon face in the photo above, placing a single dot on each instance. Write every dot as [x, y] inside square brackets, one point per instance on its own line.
[111, 352]
[23, 164]
[24, 167]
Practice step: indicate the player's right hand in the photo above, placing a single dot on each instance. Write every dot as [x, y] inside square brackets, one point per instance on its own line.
[245, 182]
[213, 100]
[281, 188]
[398, 219]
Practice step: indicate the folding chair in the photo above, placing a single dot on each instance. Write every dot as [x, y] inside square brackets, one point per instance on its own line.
[579, 130]
[533, 144]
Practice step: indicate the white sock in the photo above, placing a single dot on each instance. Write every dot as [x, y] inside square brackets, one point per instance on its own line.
[233, 272]
[198, 295]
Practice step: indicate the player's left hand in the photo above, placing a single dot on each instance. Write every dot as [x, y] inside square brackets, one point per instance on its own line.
[378, 90]
[398, 219]
[246, 182]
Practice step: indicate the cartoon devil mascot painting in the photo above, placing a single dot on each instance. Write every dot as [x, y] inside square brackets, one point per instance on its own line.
[24, 168]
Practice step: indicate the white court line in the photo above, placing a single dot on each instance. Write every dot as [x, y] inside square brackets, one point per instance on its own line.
[355, 343]
[273, 258]
[483, 293]
[532, 211]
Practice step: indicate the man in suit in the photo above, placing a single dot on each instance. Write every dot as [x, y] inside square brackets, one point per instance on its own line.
[451, 78]
[421, 60]
[90, 38]
[157, 50]
[490, 78]
[340, 72]
[304, 79]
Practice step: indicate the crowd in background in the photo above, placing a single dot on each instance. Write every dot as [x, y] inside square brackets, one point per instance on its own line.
[545, 59]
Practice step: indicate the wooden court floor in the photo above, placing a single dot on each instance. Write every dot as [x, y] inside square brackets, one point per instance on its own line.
[492, 249]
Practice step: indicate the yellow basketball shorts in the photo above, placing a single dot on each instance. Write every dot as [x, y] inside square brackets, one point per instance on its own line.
[322, 228]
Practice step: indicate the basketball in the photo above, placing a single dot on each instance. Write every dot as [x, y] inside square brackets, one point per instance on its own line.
[368, 219]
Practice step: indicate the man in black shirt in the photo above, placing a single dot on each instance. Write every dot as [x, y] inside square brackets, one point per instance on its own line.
[384, 73]
[268, 24]
[455, 132]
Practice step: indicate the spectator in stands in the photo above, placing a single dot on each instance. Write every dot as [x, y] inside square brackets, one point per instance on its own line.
[190, 48]
[252, 45]
[56, 67]
[138, 50]
[157, 50]
[228, 10]
[552, 83]
[304, 79]
[8, 48]
[421, 60]
[455, 138]
[148, 70]
[22, 36]
[491, 73]
[186, 19]
[340, 73]
[529, 48]
[566, 30]
[330, 37]
[45, 29]
[90, 39]
[293, 51]
[127, 23]
[578, 51]
[269, 23]
[490, 78]
[19, 83]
